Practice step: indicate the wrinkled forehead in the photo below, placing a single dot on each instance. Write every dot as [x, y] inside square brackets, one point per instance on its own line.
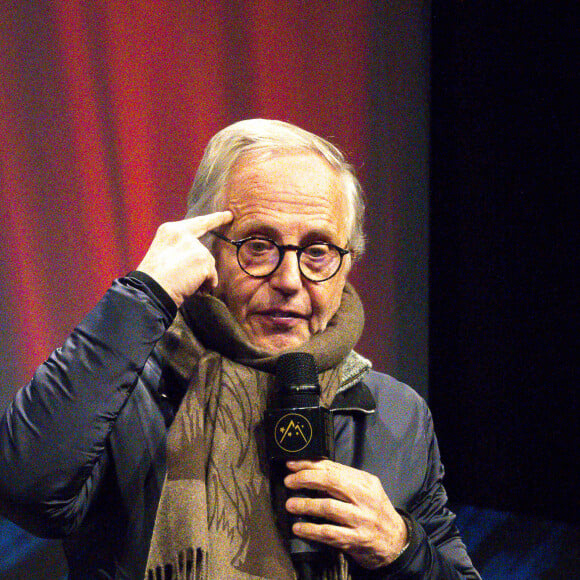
[304, 173]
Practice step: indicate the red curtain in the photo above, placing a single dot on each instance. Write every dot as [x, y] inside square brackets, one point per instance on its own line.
[105, 109]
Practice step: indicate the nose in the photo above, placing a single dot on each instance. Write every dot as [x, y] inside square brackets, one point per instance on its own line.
[287, 278]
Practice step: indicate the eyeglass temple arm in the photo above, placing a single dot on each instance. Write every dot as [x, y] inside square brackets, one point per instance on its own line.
[220, 236]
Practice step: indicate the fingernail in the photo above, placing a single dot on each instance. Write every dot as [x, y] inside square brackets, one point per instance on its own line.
[297, 528]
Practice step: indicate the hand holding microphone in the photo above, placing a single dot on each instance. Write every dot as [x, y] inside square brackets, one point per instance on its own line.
[297, 428]
[335, 505]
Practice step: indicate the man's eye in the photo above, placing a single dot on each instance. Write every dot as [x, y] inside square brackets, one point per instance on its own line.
[258, 246]
[317, 251]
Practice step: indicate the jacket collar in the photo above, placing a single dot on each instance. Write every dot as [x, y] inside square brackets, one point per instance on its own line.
[357, 398]
[353, 395]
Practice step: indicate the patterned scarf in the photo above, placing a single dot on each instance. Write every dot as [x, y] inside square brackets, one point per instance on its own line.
[215, 518]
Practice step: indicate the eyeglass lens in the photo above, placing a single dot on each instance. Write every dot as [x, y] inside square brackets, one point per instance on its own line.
[260, 257]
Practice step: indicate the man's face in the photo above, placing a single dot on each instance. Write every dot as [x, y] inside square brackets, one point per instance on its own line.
[291, 199]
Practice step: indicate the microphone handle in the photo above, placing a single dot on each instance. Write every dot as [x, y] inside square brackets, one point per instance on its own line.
[306, 555]
[300, 548]
[304, 570]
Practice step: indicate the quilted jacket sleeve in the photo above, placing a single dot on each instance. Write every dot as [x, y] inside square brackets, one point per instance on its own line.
[53, 435]
[402, 430]
[435, 548]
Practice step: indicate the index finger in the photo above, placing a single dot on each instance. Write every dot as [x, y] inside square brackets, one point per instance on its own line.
[202, 224]
[300, 464]
[330, 482]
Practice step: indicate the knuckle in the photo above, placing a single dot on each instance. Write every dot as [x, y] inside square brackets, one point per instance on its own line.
[333, 479]
[165, 228]
[306, 505]
[326, 508]
[372, 481]
[326, 532]
[359, 537]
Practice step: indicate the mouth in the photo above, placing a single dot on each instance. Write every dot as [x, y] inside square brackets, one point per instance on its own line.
[281, 313]
[281, 317]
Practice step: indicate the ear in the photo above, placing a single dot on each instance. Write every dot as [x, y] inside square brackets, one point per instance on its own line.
[347, 263]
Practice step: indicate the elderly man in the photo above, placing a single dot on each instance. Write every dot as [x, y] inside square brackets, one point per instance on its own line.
[140, 441]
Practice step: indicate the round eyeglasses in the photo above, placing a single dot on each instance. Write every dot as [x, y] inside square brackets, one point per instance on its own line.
[259, 257]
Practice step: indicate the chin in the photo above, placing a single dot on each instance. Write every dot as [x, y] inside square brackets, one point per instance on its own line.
[274, 344]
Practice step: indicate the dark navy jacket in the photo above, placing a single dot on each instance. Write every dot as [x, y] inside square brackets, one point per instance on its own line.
[82, 447]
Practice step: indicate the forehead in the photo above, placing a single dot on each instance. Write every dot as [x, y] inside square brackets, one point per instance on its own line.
[299, 191]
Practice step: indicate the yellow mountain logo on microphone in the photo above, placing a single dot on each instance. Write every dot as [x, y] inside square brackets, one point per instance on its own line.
[293, 432]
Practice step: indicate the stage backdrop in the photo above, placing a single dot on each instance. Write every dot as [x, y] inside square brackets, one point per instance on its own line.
[106, 107]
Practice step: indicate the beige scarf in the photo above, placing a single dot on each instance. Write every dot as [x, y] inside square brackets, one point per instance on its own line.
[215, 519]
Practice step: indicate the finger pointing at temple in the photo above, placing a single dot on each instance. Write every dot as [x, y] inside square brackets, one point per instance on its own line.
[178, 261]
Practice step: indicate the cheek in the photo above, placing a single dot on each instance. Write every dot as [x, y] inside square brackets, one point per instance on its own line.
[236, 289]
[226, 288]
[326, 301]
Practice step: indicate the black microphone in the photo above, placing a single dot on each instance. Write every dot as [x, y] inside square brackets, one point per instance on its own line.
[297, 427]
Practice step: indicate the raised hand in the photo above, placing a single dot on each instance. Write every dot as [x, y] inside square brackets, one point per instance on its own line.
[178, 261]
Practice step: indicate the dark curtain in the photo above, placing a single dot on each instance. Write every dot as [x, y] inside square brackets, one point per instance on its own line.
[504, 299]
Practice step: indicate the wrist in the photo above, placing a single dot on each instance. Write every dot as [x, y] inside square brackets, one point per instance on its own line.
[157, 290]
[405, 536]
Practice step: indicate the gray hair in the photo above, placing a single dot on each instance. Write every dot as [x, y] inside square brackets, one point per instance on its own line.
[263, 137]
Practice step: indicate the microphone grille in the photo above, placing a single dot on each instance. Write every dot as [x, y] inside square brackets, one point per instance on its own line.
[296, 369]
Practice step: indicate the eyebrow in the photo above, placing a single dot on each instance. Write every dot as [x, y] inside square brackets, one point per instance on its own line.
[259, 229]
[270, 232]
